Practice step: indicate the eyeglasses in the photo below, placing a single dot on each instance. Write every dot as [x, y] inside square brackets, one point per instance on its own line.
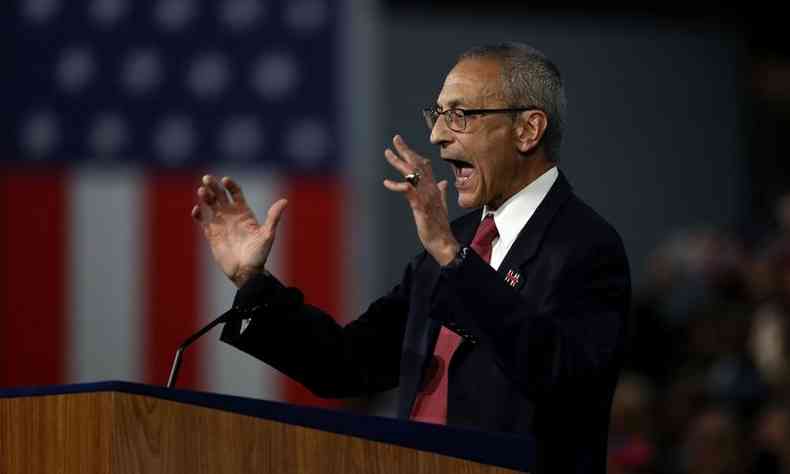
[456, 118]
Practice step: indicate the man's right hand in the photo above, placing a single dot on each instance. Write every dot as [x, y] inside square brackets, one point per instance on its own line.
[238, 243]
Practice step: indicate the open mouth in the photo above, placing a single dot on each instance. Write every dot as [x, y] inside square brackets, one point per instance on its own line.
[463, 171]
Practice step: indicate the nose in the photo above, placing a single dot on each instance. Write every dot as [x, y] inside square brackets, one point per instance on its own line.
[440, 134]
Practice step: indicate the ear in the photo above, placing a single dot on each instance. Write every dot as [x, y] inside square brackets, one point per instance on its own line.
[530, 127]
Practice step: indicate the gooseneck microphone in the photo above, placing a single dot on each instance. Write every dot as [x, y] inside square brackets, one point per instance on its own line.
[284, 300]
[228, 315]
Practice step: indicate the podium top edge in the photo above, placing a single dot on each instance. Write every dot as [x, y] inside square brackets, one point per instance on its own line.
[497, 449]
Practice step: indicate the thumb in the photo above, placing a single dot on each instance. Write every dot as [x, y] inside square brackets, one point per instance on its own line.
[443, 189]
[275, 214]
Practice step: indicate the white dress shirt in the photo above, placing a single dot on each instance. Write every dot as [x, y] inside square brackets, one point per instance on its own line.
[514, 214]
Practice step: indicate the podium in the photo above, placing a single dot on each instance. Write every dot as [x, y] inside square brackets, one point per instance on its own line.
[122, 427]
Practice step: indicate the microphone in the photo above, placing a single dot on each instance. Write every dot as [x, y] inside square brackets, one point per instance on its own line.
[229, 315]
[288, 298]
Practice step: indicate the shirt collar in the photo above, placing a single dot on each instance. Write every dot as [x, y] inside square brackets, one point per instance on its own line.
[514, 213]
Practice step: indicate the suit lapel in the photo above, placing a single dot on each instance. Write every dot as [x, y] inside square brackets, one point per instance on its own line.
[532, 234]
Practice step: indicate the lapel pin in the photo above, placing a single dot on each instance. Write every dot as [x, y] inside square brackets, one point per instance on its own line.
[512, 278]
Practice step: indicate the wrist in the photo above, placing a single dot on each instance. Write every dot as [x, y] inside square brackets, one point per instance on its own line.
[243, 275]
[458, 260]
[448, 253]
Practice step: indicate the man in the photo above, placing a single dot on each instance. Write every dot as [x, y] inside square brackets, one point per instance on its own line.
[528, 307]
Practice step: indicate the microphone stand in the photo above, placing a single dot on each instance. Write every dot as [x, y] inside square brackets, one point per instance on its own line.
[288, 298]
[225, 317]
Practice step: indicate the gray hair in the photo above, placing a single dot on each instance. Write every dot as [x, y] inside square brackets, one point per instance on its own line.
[529, 78]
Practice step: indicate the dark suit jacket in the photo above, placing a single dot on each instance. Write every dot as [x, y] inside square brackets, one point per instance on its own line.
[541, 349]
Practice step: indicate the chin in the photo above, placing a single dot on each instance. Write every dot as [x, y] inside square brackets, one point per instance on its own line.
[468, 202]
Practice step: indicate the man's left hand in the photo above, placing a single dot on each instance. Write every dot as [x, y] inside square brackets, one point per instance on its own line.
[428, 201]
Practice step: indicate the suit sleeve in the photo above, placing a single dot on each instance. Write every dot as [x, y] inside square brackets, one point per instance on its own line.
[571, 337]
[306, 343]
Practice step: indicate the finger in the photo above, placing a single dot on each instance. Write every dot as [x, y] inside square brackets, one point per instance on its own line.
[427, 171]
[398, 163]
[206, 197]
[409, 155]
[443, 189]
[219, 192]
[275, 214]
[235, 191]
[202, 213]
[398, 186]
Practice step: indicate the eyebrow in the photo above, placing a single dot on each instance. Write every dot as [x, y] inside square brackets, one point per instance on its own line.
[451, 104]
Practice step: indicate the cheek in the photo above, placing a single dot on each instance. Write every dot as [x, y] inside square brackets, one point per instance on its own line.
[488, 161]
[483, 177]
[487, 175]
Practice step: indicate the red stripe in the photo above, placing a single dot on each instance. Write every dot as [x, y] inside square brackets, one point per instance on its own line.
[33, 305]
[172, 277]
[314, 256]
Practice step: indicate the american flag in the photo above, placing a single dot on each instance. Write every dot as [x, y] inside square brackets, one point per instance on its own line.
[119, 107]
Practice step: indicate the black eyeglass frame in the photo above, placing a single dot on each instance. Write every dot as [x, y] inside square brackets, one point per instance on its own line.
[431, 115]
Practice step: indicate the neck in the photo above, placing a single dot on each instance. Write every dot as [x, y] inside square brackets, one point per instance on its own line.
[528, 171]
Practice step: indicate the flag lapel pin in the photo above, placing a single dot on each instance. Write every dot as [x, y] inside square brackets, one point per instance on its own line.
[512, 278]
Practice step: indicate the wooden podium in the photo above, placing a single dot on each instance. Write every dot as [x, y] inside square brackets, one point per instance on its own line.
[120, 427]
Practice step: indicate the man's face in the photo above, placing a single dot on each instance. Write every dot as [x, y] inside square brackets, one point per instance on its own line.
[484, 156]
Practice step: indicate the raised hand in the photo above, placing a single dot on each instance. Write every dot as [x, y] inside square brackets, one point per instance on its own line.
[239, 244]
[428, 201]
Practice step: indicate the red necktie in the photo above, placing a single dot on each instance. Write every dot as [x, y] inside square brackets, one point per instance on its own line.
[431, 403]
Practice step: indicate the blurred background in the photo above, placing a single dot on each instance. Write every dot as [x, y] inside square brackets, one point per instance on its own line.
[675, 122]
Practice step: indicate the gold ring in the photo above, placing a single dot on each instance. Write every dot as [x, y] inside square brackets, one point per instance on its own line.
[413, 178]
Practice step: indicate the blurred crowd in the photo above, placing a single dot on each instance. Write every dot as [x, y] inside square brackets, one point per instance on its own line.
[706, 388]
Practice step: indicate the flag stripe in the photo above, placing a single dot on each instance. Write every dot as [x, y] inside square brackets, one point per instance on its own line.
[32, 296]
[229, 370]
[172, 278]
[313, 257]
[128, 281]
[105, 220]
